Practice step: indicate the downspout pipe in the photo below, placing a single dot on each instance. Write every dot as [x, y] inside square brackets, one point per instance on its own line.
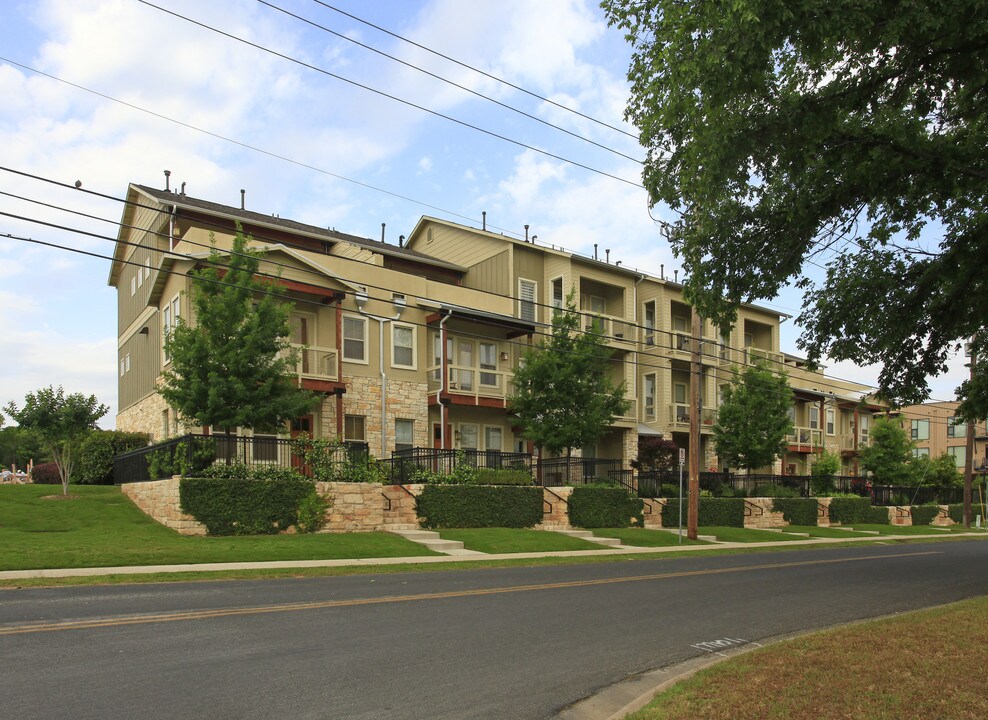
[382, 321]
[444, 378]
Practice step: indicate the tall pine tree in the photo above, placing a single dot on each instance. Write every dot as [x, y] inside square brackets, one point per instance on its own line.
[232, 366]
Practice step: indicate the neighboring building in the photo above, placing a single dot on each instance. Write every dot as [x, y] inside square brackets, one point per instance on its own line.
[935, 430]
[412, 345]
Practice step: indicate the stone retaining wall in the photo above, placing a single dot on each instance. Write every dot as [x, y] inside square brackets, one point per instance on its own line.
[555, 508]
[159, 500]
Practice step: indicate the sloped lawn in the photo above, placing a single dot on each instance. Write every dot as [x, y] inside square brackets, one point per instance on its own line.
[100, 527]
[515, 540]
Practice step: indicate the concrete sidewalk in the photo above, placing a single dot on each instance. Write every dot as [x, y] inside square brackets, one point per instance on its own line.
[448, 559]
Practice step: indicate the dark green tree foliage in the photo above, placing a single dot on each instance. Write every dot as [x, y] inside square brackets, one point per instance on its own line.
[597, 507]
[889, 454]
[563, 396]
[233, 367]
[656, 454]
[18, 446]
[940, 472]
[753, 421]
[97, 451]
[789, 132]
[60, 422]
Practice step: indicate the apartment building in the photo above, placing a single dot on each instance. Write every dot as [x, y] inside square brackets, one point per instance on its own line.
[413, 344]
[935, 430]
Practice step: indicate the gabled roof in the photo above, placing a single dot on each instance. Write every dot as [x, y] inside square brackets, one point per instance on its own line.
[186, 202]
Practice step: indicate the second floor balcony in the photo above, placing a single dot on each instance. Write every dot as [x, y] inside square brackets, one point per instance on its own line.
[806, 439]
[471, 380]
[316, 363]
[679, 417]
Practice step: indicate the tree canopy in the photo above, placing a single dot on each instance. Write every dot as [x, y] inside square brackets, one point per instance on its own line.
[889, 453]
[59, 421]
[753, 423]
[563, 396]
[845, 135]
[232, 366]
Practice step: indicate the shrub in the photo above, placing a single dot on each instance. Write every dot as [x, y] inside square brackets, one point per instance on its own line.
[312, 512]
[850, 510]
[46, 474]
[485, 476]
[97, 451]
[924, 514]
[775, 491]
[797, 511]
[472, 506]
[669, 490]
[182, 458]
[245, 501]
[955, 510]
[712, 511]
[878, 515]
[595, 506]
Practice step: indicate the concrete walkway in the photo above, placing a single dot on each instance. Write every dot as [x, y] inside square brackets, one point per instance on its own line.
[447, 559]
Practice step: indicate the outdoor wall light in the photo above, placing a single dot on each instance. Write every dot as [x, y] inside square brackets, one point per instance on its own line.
[504, 356]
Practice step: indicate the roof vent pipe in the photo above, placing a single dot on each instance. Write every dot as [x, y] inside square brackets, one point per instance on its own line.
[617, 264]
[526, 233]
[401, 241]
[484, 216]
[595, 251]
[662, 271]
[382, 231]
[607, 254]
[183, 188]
[675, 275]
[243, 198]
[534, 238]
[168, 174]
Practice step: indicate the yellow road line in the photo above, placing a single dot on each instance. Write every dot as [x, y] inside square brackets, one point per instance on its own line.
[323, 604]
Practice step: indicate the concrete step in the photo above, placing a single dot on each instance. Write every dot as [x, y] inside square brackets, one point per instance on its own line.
[431, 540]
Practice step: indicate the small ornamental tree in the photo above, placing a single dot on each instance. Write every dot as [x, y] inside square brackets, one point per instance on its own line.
[823, 469]
[233, 367]
[60, 422]
[889, 454]
[563, 397]
[753, 422]
[656, 454]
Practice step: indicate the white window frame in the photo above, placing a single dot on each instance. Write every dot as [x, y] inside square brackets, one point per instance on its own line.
[649, 401]
[147, 268]
[133, 285]
[648, 308]
[476, 435]
[916, 429]
[814, 423]
[958, 450]
[487, 369]
[958, 430]
[525, 303]
[363, 360]
[921, 452]
[348, 420]
[413, 348]
[410, 425]
[170, 314]
[686, 393]
[557, 302]
[500, 432]
[140, 277]
[830, 421]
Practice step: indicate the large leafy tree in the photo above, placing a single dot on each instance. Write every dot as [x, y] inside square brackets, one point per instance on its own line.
[60, 422]
[838, 133]
[889, 454]
[563, 397]
[753, 423]
[232, 366]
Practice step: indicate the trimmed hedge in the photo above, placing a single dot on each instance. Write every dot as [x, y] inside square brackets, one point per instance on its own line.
[878, 515]
[596, 507]
[724, 512]
[475, 506]
[955, 510]
[797, 511]
[97, 451]
[923, 514]
[847, 510]
[264, 504]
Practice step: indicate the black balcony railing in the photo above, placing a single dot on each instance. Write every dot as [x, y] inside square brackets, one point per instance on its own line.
[405, 464]
[191, 453]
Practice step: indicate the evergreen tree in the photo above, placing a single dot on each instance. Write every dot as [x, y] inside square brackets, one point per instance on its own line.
[232, 366]
[753, 423]
[563, 397]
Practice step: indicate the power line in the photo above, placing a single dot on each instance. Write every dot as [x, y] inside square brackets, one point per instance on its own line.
[450, 82]
[395, 98]
[477, 70]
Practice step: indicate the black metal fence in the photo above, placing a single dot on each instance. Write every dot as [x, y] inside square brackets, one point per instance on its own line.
[405, 465]
[193, 452]
[579, 471]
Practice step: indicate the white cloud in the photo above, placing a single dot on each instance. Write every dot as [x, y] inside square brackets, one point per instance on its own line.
[425, 164]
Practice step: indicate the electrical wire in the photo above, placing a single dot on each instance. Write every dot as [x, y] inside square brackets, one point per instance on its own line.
[389, 96]
[477, 70]
[449, 82]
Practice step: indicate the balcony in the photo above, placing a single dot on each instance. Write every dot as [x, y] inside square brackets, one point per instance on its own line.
[316, 363]
[471, 380]
[804, 439]
[752, 354]
[683, 342]
[847, 442]
[679, 417]
[610, 326]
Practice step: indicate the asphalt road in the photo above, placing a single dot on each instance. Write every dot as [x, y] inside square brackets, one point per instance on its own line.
[503, 643]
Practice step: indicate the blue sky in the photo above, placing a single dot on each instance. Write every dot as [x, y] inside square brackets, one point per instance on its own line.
[57, 314]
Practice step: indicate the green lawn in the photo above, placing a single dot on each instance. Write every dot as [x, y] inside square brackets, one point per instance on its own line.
[515, 540]
[101, 527]
[643, 537]
[901, 529]
[824, 532]
[927, 664]
[746, 535]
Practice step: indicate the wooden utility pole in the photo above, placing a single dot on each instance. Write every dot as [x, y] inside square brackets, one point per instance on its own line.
[969, 455]
[693, 514]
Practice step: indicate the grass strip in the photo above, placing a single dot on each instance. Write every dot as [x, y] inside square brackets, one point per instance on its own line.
[515, 540]
[746, 535]
[927, 664]
[644, 537]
